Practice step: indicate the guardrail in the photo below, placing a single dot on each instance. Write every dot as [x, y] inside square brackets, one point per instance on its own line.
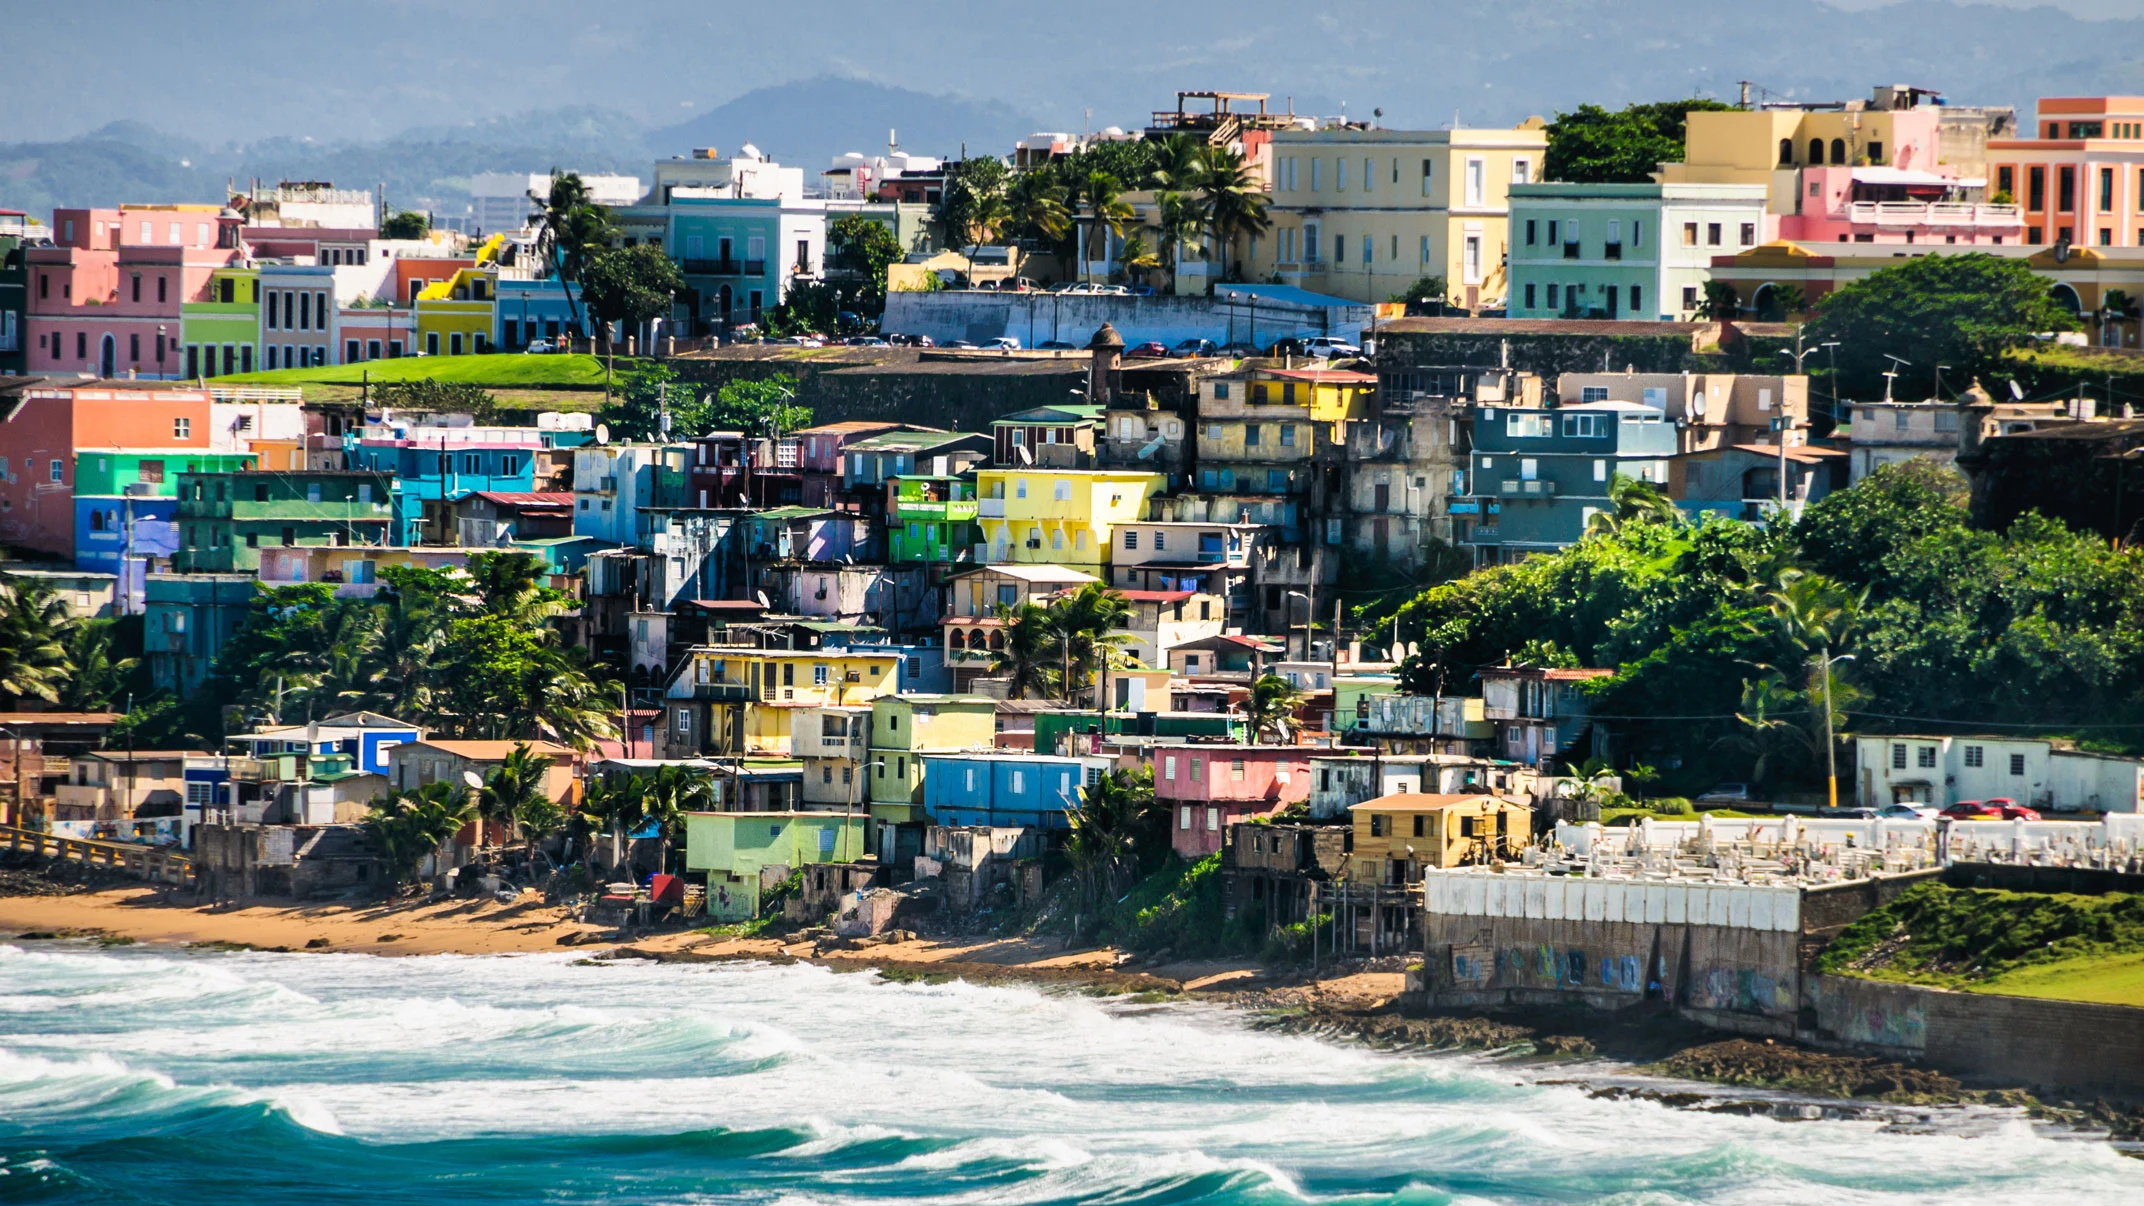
[152, 863]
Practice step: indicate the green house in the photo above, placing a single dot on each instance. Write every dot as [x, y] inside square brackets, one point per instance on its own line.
[224, 518]
[221, 332]
[739, 851]
[931, 519]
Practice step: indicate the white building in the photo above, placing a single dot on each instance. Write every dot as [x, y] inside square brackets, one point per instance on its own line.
[745, 174]
[1941, 771]
[501, 200]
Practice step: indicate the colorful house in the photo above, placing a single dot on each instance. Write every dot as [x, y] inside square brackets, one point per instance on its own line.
[2078, 175]
[225, 519]
[1396, 837]
[297, 315]
[1035, 790]
[1059, 517]
[186, 619]
[221, 332]
[127, 503]
[1629, 251]
[973, 631]
[435, 465]
[106, 298]
[931, 519]
[739, 851]
[456, 317]
[1207, 788]
[904, 728]
[730, 700]
[49, 432]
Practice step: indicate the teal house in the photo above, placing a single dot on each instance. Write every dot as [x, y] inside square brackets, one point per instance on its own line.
[1539, 476]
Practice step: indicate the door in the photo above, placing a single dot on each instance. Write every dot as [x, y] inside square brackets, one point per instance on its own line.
[107, 358]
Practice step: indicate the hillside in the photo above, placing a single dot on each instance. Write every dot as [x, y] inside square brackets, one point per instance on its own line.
[2080, 948]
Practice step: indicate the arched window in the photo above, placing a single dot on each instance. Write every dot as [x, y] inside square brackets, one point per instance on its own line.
[1816, 152]
[2066, 297]
[1838, 151]
[997, 641]
[1786, 151]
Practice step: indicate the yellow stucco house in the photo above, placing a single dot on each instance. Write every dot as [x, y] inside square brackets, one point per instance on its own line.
[1061, 517]
[1364, 213]
[456, 316]
[726, 700]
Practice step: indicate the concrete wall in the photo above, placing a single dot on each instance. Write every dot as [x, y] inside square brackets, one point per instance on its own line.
[1031, 318]
[2066, 1046]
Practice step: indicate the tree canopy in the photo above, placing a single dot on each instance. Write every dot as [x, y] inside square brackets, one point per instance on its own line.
[1712, 629]
[1593, 145]
[1965, 312]
[865, 248]
[630, 285]
[406, 224]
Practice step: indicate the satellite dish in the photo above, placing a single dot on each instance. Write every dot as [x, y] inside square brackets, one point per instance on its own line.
[470, 778]
[1697, 406]
[762, 595]
[602, 433]
[2017, 391]
[1026, 457]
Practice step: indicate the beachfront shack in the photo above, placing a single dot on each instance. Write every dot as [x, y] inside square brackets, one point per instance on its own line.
[745, 855]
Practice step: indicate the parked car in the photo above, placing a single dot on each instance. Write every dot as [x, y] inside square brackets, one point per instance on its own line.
[1852, 814]
[865, 341]
[1239, 348]
[1152, 349]
[1016, 284]
[2011, 809]
[1906, 812]
[960, 343]
[1197, 347]
[1003, 343]
[1329, 346]
[922, 341]
[538, 346]
[1726, 793]
[1054, 345]
[1972, 810]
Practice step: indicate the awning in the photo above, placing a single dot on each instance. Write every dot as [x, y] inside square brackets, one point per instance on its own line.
[1908, 176]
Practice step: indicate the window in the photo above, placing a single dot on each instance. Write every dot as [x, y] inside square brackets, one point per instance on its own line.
[1527, 426]
[1689, 297]
[1976, 756]
[1061, 490]
[182, 428]
[1689, 234]
[2106, 192]
[2036, 188]
[1168, 767]
[1252, 434]
[1637, 298]
[1529, 295]
[1924, 756]
[59, 470]
[1529, 232]
[1131, 539]
[1522, 171]
[1600, 470]
[1712, 234]
[1585, 426]
[1898, 756]
[1476, 180]
[1429, 168]
[2066, 188]
[1287, 435]
[1183, 817]
[1554, 290]
[2017, 764]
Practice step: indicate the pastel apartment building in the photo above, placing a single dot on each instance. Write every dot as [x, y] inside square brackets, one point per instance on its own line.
[1628, 251]
[2078, 171]
[1060, 517]
[107, 298]
[1363, 213]
[146, 435]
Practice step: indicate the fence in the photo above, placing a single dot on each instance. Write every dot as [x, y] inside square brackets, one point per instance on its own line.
[152, 863]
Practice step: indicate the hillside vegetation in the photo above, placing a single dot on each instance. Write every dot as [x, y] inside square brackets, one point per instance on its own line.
[2014, 943]
[504, 370]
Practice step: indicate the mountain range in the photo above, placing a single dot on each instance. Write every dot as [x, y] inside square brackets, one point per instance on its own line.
[418, 95]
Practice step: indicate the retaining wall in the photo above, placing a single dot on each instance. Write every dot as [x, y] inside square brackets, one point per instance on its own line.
[1032, 318]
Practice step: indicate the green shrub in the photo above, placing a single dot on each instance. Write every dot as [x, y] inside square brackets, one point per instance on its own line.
[1943, 935]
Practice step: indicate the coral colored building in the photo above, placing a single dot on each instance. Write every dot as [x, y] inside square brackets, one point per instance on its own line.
[106, 299]
[2079, 174]
[44, 435]
[1206, 788]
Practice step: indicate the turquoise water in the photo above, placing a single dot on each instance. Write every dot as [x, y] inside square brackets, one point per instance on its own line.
[141, 1075]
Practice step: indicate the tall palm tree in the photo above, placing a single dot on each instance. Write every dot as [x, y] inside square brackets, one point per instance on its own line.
[571, 228]
[511, 585]
[1106, 826]
[671, 792]
[513, 795]
[611, 804]
[98, 676]
[1088, 625]
[1234, 203]
[34, 630]
[562, 699]
[1036, 204]
[1271, 707]
[1179, 219]
[1102, 196]
[1181, 164]
[1632, 502]
[1030, 652]
[406, 826]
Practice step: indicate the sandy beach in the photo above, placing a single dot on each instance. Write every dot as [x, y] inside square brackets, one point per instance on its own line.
[484, 927]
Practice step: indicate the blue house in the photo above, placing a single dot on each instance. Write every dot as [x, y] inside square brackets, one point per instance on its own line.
[1539, 476]
[437, 464]
[532, 310]
[1036, 790]
[363, 737]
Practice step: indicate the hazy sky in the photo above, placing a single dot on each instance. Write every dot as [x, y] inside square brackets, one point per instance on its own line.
[246, 69]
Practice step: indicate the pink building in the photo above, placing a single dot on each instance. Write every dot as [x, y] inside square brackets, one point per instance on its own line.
[1207, 788]
[1911, 196]
[105, 298]
[819, 455]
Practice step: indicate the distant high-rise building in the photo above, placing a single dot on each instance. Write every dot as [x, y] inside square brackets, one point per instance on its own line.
[500, 200]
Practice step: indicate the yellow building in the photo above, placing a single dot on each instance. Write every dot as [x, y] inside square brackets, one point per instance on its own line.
[905, 727]
[1772, 146]
[1397, 836]
[454, 316]
[1363, 213]
[726, 701]
[1060, 517]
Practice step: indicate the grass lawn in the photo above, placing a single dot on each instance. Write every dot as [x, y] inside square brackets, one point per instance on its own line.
[505, 370]
[1630, 816]
[2106, 979]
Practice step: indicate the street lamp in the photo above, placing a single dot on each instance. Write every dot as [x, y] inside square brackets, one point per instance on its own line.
[1831, 745]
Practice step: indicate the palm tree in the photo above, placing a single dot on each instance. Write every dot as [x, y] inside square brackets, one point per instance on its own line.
[1106, 826]
[671, 792]
[561, 699]
[1234, 203]
[1180, 218]
[1271, 707]
[1101, 195]
[98, 676]
[1088, 627]
[510, 585]
[34, 632]
[1137, 258]
[1633, 502]
[513, 795]
[398, 652]
[1030, 649]
[571, 227]
[1036, 206]
[1181, 164]
[611, 805]
[406, 826]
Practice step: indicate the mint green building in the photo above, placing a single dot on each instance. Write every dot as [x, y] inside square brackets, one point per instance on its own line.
[222, 335]
[1637, 252]
[733, 849]
[225, 518]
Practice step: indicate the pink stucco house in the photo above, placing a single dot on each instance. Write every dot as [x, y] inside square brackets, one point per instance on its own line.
[105, 298]
[1208, 787]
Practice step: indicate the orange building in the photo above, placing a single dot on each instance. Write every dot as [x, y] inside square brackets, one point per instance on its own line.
[45, 427]
[2079, 177]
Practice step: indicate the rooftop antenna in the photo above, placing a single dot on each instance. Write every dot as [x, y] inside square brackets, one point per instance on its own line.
[1890, 376]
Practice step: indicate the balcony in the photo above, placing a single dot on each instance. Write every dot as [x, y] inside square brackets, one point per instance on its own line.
[1951, 214]
[990, 508]
[931, 511]
[695, 267]
[721, 692]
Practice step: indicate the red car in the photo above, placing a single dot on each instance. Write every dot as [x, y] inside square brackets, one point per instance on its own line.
[1972, 810]
[1150, 350]
[2011, 810]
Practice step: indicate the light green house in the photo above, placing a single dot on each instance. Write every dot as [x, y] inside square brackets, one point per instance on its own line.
[1352, 694]
[734, 849]
[904, 728]
[1638, 252]
[222, 335]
